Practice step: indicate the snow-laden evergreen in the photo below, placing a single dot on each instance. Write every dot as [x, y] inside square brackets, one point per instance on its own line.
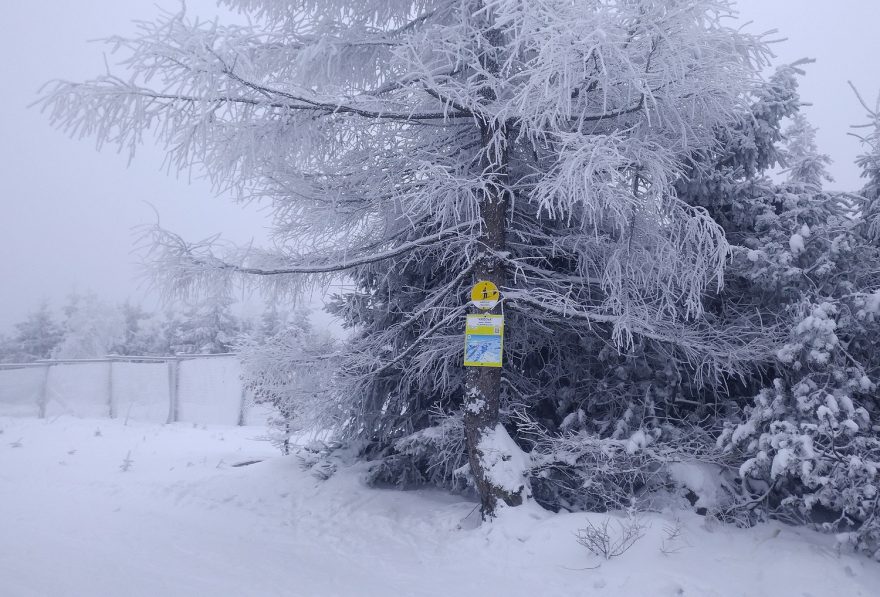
[91, 328]
[804, 164]
[206, 327]
[33, 338]
[869, 162]
[141, 331]
[286, 365]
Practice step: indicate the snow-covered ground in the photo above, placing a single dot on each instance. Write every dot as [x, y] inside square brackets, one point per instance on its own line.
[93, 507]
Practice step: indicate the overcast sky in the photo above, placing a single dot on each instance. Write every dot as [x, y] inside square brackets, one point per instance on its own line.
[67, 212]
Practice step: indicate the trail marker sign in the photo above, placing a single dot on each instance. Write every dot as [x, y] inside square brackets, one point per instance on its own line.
[483, 340]
[485, 295]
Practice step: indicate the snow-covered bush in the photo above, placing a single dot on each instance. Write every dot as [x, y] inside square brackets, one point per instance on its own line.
[435, 455]
[290, 369]
[636, 463]
[796, 427]
[583, 471]
[319, 458]
[808, 448]
[608, 541]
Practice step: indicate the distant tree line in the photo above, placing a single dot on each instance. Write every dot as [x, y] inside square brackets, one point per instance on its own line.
[89, 327]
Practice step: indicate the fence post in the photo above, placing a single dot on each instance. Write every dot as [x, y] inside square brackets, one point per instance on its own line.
[44, 393]
[173, 389]
[242, 410]
[111, 406]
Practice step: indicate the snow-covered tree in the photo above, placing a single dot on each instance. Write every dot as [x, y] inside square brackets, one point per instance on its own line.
[286, 364]
[807, 447]
[798, 430]
[869, 161]
[420, 145]
[139, 336]
[272, 320]
[166, 326]
[206, 327]
[34, 338]
[91, 328]
[607, 441]
[804, 164]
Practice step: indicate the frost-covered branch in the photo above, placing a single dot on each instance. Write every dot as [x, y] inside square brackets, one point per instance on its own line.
[183, 264]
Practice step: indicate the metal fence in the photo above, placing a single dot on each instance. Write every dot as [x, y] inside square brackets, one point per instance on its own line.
[193, 388]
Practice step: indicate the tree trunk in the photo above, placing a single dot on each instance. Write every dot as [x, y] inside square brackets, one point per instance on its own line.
[483, 384]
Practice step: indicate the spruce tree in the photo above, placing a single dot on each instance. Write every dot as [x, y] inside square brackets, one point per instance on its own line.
[34, 338]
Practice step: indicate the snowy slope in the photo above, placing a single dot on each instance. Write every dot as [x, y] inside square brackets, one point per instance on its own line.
[182, 520]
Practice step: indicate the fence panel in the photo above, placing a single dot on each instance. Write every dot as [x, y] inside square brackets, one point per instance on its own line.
[209, 391]
[20, 391]
[78, 389]
[197, 389]
[141, 391]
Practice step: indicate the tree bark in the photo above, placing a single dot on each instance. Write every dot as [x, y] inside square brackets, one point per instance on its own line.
[483, 384]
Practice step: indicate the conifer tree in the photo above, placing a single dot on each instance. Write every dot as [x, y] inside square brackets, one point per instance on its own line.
[206, 327]
[139, 334]
[91, 328]
[804, 164]
[34, 338]
[421, 145]
[869, 161]
[800, 425]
